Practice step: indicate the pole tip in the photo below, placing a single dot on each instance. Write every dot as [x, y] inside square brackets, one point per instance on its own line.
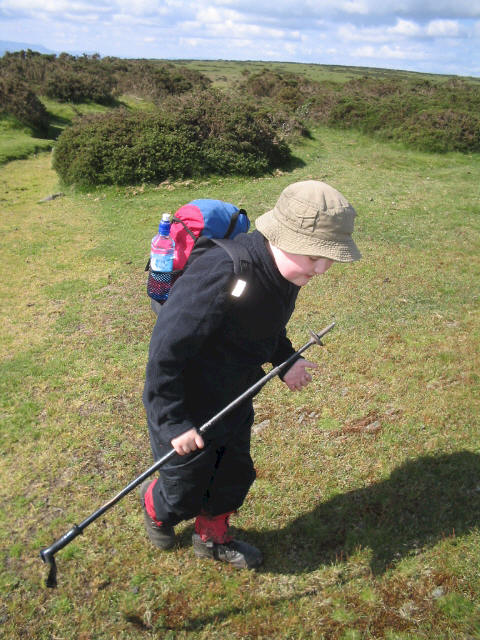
[49, 558]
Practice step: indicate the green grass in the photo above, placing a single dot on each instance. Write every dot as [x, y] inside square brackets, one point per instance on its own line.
[17, 141]
[368, 531]
[62, 114]
[225, 72]
[365, 113]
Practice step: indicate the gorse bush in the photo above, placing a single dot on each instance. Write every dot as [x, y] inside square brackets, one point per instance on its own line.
[238, 132]
[89, 77]
[287, 88]
[436, 117]
[441, 130]
[71, 86]
[197, 130]
[288, 126]
[65, 78]
[204, 134]
[17, 100]
[430, 117]
[154, 82]
[121, 148]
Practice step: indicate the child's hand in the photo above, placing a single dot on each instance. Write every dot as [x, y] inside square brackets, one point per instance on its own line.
[297, 376]
[187, 442]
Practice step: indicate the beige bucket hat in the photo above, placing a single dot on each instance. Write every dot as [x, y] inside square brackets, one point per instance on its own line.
[311, 218]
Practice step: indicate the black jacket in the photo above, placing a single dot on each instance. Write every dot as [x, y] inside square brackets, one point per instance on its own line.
[207, 347]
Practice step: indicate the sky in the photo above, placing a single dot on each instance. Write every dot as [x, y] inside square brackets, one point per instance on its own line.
[434, 36]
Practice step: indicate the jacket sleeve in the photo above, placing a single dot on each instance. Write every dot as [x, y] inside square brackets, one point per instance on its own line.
[194, 310]
[284, 349]
[283, 352]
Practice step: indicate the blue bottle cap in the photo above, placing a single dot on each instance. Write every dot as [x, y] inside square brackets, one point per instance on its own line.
[164, 226]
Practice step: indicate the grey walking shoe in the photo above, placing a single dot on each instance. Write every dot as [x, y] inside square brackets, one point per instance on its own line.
[163, 536]
[239, 554]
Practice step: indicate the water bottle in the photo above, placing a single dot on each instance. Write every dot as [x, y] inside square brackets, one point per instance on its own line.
[161, 260]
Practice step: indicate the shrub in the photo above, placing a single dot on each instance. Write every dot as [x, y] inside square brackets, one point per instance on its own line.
[17, 100]
[288, 125]
[91, 78]
[152, 81]
[118, 148]
[288, 87]
[441, 131]
[67, 85]
[348, 112]
[431, 117]
[203, 134]
[286, 95]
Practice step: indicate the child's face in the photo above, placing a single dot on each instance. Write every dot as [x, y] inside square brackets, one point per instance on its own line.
[297, 268]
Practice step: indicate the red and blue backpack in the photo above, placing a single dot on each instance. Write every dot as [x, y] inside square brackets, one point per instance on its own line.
[199, 225]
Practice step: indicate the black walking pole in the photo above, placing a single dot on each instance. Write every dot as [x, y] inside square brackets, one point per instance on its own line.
[48, 555]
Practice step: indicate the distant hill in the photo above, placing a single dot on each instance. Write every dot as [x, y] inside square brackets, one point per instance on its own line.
[6, 45]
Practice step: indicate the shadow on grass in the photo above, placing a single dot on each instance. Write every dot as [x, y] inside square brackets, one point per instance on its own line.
[267, 604]
[423, 501]
[56, 125]
[294, 162]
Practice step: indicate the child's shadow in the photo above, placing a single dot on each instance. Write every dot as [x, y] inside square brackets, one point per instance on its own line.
[421, 502]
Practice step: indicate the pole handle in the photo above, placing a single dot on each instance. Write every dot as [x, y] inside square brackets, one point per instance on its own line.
[67, 537]
[48, 554]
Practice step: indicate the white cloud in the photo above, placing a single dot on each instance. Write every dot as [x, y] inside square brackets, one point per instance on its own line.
[368, 51]
[411, 33]
[443, 28]
[338, 10]
[388, 52]
[213, 15]
[355, 6]
[351, 33]
[405, 28]
[52, 6]
[227, 23]
[399, 53]
[420, 10]
[190, 42]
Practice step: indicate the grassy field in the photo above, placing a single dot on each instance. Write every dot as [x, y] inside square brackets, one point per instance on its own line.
[223, 73]
[367, 502]
[18, 142]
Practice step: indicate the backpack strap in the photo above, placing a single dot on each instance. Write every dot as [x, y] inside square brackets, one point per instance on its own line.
[189, 231]
[233, 222]
[242, 263]
[240, 255]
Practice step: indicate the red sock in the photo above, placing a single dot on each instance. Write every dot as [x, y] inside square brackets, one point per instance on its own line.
[213, 528]
[149, 506]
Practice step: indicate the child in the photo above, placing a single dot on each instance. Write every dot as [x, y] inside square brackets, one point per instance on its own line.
[207, 348]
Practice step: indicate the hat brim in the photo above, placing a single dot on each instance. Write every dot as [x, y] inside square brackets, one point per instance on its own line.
[288, 240]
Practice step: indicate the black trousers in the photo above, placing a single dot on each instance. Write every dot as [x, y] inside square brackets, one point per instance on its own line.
[213, 480]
